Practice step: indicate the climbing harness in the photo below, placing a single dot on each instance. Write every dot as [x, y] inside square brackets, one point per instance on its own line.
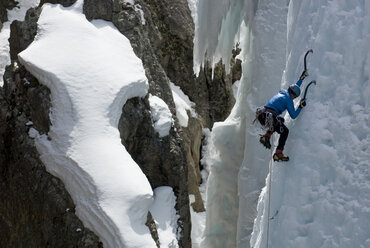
[269, 121]
[269, 117]
[259, 112]
[281, 121]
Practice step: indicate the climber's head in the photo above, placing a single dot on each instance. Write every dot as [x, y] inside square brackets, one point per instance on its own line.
[294, 90]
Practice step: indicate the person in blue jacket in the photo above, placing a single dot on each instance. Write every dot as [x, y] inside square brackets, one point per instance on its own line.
[269, 116]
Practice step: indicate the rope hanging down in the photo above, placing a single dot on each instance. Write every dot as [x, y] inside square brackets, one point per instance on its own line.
[269, 200]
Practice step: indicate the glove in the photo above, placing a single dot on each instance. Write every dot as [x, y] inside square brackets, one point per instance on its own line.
[302, 103]
[304, 75]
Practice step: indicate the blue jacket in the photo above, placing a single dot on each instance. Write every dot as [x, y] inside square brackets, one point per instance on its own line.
[283, 101]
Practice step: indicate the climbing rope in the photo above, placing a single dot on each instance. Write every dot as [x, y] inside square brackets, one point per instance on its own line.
[268, 209]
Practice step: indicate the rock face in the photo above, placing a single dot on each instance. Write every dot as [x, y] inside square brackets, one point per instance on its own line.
[4, 6]
[23, 33]
[65, 3]
[162, 160]
[162, 31]
[173, 46]
[37, 210]
[193, 135]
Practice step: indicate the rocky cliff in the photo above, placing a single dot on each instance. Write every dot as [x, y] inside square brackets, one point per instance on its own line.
[37, 211]
[4, 6]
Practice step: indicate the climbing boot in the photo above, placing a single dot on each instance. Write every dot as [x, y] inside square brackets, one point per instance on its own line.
[279, 156]
[265, 140]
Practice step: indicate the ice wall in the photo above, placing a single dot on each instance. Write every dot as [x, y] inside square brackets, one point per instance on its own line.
[263, 63]
[263, 70]
[322, 194]
[224, 159]
[217, 29]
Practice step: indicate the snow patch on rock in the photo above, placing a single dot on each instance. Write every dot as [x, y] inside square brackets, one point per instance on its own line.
[161, 116]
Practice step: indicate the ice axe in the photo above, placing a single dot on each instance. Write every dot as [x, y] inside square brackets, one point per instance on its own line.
[305, 59]
[304, 73]
[305, 90]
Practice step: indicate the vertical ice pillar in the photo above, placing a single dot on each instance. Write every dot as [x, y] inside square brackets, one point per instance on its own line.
[260, 27]
[216, 35]
[262, 71]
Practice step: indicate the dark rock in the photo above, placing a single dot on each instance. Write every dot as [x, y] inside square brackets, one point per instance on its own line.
[150, 223]
[172, 41]
[98, 9]
[23, 85]
[128, 21]
[193, 135]
[140, 138]
[165, 46]
[162, 160]
[220, 95]
[4, 6]
[23, 33]
[65, 3]
[36, 209]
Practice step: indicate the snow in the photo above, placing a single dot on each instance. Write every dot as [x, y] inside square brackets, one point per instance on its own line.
[321, 195]
[193, 9]
[132, 2]
[17, 13]
[141, 12]
[33, 133]
[198, 219]
[91, 70]
[183, 104]
[197, 224]
[164, 212]
[328, 205]
[161, 116]
[224, 223]
[236, 85]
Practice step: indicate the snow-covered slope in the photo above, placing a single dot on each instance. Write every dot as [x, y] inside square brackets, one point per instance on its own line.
[321, 195]
[91, 70]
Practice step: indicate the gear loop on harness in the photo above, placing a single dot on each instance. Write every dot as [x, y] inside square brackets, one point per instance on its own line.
[268, 117]
[269, 121]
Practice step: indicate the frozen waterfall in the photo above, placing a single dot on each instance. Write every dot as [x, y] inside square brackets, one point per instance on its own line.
[321, 195]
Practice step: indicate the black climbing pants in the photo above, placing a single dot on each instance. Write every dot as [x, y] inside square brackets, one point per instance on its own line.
[277, 126]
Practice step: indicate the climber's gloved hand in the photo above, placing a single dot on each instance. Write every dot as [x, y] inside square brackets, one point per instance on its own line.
[302, 103]
[304, 75]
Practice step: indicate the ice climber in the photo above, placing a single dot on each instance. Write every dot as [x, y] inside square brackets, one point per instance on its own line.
[269, 116]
